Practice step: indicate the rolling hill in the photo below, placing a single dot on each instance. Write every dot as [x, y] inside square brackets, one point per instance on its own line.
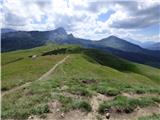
[85, 74]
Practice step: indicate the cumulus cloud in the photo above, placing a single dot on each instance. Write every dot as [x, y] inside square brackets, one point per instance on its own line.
[136, 15]
[81, 17]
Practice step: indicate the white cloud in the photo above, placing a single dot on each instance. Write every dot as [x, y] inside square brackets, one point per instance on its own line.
[81, 16]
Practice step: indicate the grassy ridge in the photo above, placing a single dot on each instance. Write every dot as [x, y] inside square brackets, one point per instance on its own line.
[8, 57]
[26, 70]
[83, 74]
[18, 67]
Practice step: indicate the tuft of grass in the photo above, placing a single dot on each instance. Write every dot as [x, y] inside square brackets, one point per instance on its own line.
[65, 101]
[40, 109]
[82, 104]
[108, 91]
[125, 104]
[156, 99]
[81, 91]
[69, 103]
[120, 103]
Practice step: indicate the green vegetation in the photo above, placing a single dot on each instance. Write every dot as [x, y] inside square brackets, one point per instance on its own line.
[18, 67]
[80, 91]
[26, 70]
[107, 91]
[153, 117]
[70, 103]
[81, 104]
[124, 104]
[85, 73]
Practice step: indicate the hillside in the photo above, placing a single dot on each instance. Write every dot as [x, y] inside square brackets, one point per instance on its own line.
[29, 39]
[82, 86]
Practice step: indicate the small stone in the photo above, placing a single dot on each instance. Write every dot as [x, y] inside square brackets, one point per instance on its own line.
[30, 117]
[107, 115]
[138, 108]
[62, 115]
[58, 110]
[34, 56]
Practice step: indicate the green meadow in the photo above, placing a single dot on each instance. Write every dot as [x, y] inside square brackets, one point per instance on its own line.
[85, 73]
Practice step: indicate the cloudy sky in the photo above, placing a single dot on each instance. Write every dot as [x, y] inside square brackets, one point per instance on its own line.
[91, 19]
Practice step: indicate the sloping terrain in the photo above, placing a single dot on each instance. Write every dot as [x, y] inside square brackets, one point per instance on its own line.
[71, 90]
[23, 66]
[29, 39]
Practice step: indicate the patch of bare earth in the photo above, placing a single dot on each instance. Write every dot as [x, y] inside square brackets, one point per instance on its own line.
[136, 114]
[56, 114]
[95, 101]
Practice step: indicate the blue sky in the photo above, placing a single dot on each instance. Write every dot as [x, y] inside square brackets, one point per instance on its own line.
[105, 16]
[150, 30]
[94, 19]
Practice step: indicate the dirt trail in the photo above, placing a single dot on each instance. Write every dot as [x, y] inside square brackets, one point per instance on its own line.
[43, 77]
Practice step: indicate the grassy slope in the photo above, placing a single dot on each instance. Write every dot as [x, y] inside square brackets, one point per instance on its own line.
[26, 70]
[9, 57]
[107, 75]
[18, 68]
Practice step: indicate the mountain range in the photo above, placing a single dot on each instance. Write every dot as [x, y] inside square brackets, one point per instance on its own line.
[15, 40]
[151, 45]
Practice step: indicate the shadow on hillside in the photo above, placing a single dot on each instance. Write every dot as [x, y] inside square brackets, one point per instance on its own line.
[97, 56]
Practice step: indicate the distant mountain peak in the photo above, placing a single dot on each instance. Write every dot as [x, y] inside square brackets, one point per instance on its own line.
[120, 44]
[70, 35]
[60, 30]
[112, 36]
